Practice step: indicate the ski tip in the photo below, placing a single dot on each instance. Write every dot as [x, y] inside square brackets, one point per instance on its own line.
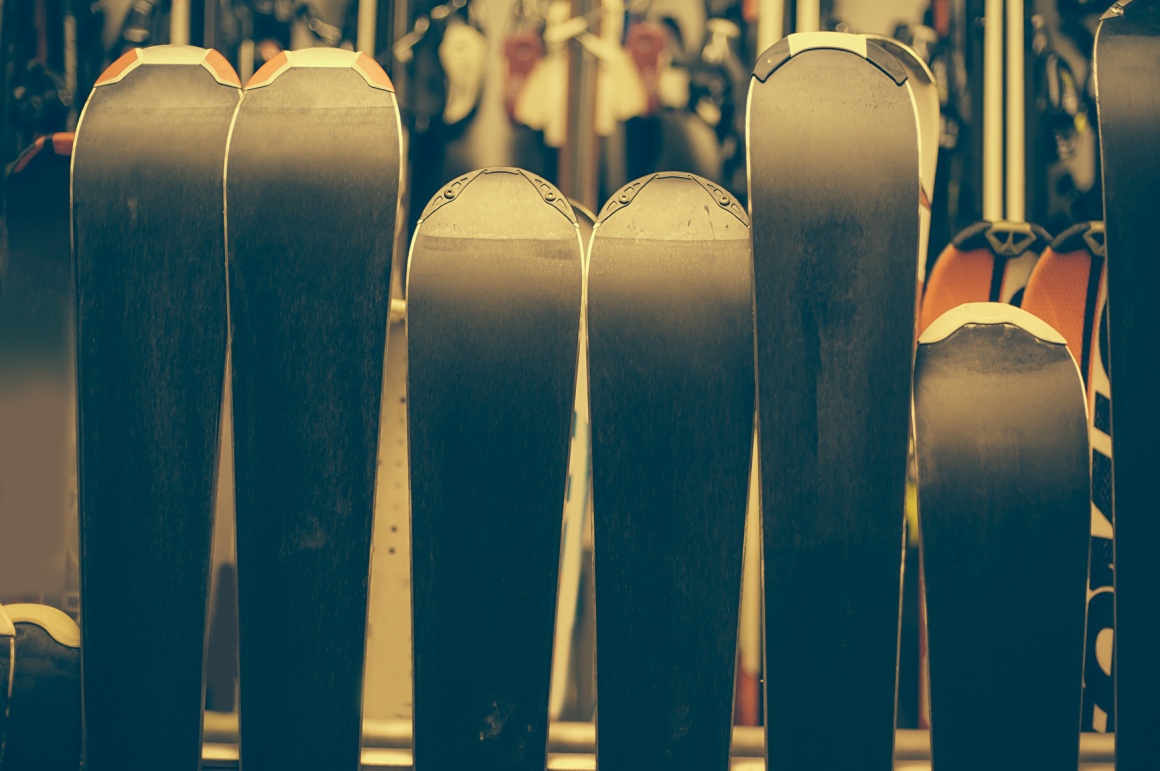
[989, 314]
[61, 144]
[801, 42]
[1117, 9]
[907, 56]
[329, 58]
[7, 629]
[1083, 236]
[453, 189]
[213, 62]
[627, 194]
[1004, 238]
[56, 623]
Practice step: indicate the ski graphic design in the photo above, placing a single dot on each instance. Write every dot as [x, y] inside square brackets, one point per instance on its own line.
[670, 348]
[1127, 72]
[835, 250]
[996, 477]
[312, 185]
[45, 718]
[151, 347]
[37, 384]
[493, 324]
[1068, 290]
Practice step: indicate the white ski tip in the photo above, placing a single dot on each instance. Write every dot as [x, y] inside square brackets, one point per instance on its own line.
[58, 625]
[987, 314]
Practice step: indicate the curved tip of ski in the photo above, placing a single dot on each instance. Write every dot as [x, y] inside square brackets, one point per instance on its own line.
[801, 42]
[59, 626]
[60, 143]
[332, 58]
[453, 189]
[7, 628]
[627, 194]
[214, 63]
[989, 314]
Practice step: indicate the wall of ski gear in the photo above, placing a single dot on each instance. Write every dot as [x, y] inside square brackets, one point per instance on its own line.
[552, 384]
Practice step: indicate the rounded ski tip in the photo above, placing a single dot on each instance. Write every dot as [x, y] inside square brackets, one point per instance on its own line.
[213, 62]
[800, 42]
[1002, 237]
[61, 143]
[989, 314]
[7, 629]
[328, 58]
[907, 56]
[720, 197]
[1083, 236]
[59, 626]
[452, 190]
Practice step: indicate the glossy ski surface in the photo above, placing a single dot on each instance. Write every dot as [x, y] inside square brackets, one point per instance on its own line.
[312, 192]
[493, 323]
[1127, 71]
[835, 244]
[151, 348]
[670, 350]
[1002, 453]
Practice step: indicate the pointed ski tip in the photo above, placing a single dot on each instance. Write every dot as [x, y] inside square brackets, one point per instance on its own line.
[118, 69]
[268, 71]
[989, 314]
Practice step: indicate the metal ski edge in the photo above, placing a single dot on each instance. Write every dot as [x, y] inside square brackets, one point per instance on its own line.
[451, 191]
[801, 42]
[627, 194]
[989, 314]
[55, 622]
[213, 62]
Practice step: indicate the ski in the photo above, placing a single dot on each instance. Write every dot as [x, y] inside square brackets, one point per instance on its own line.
[493, 324]
[835, 233]
[670, 349]
[45, 718]
[1068, 290]
[7, 660]
[1127, 71]
[37, 385]
[312, 185]
[990, 261]
[151, 348]
[1000, 436]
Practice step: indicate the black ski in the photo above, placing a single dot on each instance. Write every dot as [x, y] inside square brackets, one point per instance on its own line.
[835, 252]
[312, 191]
[1000, 436]
[493, 317]
[1127, 67]
[670, 351]
[37, 387]
[151, 347]
[45, 718]
[7, 659]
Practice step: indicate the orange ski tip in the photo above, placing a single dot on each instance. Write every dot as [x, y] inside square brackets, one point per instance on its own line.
[268, 71]
[28, 154]
[62, 143]
[117, 69]
[221, 67]
[373, 73]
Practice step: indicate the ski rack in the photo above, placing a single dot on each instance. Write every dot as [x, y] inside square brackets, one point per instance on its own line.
[387, 746]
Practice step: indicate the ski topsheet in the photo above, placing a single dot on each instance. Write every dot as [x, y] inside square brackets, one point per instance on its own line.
[7, 659]
[1000, 436]
[311, 194]
[1068, 290]
[835, 250]
[45, 717]
[151, 346]
[670, 349]
[493, 323]
[37, 387]
[1127, 71]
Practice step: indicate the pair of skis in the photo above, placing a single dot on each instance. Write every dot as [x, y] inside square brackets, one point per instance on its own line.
[306, 168]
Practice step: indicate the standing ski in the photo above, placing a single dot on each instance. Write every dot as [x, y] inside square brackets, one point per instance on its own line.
[670, 347]
[7, 659]
[1127, 67]
[1068, 290]
[997, 477]
[37, 386]
[151, 347]
[312, 191]
[835, 250]
[493, 317]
